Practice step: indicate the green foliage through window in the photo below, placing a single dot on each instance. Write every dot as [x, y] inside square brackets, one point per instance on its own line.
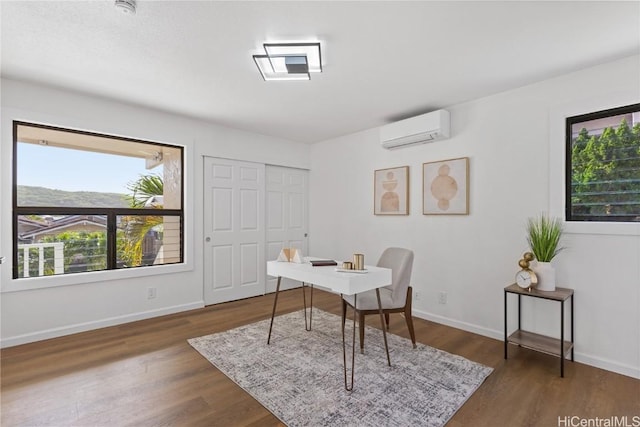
[604, 159]
[82, 251]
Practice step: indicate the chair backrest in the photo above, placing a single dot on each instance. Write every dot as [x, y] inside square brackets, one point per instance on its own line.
[400, 261]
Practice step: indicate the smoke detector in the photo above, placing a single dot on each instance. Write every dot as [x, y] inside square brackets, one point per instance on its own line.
[127, 7]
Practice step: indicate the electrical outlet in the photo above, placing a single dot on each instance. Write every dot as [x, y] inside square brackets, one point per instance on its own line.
[151, 293]
[442, 298]
[416, 295]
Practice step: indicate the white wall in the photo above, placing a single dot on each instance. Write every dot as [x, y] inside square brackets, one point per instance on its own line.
[116, 297]
[512, 142]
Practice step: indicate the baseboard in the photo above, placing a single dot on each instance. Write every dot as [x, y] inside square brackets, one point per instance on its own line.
[608, 365]
[103, 323]
[597, 362]
[469, 327]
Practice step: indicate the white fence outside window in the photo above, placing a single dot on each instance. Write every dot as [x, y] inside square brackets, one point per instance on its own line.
[58, 257]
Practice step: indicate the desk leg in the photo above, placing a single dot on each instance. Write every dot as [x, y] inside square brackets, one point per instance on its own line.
[353, 347]
[304, 300]
[382, 324]
[273, 313]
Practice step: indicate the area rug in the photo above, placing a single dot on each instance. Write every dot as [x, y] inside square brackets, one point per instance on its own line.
[299, 376]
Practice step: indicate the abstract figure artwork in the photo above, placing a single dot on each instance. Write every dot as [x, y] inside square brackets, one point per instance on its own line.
[445, 187]
[391, 191]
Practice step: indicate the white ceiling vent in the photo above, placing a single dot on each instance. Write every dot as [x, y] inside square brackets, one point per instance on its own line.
[416, 130]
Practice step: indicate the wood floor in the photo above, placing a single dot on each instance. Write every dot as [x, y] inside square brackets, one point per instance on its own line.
[145, 374]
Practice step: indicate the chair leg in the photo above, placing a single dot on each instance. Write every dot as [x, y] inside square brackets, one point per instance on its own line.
[386, 319]
[361, 327]
[344, 310]
[409, 319]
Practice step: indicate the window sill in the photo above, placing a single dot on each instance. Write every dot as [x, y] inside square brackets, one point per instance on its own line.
[32, 283]
[602, 228]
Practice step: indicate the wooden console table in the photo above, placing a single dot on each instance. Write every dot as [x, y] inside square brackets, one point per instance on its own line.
[537, 342]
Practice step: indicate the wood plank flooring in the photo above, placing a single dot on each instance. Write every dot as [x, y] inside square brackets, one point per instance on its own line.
[146, 374]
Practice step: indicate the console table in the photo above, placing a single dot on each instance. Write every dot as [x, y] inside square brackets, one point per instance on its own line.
[537, 342]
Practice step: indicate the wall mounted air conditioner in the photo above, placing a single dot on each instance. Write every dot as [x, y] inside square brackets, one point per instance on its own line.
[416, 130]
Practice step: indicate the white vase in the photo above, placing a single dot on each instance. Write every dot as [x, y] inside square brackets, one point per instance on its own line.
[546, 276]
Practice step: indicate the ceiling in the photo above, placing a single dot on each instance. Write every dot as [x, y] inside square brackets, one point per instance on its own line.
[383, 61]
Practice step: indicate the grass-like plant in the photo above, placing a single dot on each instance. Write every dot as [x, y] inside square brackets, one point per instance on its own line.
[543, 235]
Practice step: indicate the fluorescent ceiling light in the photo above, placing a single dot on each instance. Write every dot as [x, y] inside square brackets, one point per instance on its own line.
[289, 61]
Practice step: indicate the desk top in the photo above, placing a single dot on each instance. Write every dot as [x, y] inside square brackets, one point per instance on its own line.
[328, 277]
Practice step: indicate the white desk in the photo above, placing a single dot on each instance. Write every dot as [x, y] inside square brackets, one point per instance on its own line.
[339, 282]
[328, 277]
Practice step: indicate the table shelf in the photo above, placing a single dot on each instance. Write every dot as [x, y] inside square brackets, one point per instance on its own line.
[542, 343]
[537, 342]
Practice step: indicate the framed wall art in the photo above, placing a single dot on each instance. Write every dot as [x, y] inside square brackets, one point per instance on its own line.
[445, 187]
[391, 191]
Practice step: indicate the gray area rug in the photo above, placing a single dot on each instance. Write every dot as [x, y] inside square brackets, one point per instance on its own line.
[299, 377]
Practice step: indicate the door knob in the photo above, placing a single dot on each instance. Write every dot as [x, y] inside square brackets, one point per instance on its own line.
[208, 239]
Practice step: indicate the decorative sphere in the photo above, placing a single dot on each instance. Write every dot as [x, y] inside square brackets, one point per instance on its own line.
[523, 263]
[528, 256]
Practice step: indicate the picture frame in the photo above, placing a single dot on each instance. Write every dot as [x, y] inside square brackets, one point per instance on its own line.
[445, 187]
[391, 191]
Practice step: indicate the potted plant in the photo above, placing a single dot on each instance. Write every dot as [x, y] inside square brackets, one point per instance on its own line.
[543, 236]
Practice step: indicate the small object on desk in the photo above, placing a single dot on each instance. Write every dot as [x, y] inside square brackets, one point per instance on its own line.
[290, 255]
[322, 262]
[347, 265]
[297, 256]
[358, 261]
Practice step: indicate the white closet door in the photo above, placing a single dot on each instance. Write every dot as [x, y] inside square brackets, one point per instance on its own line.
[234, 215]
[287, 214]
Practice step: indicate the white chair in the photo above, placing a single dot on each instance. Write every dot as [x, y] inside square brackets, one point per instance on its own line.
[395, 298]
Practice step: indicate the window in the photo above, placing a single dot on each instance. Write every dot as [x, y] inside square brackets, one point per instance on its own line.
[603, 166]
[88, 202]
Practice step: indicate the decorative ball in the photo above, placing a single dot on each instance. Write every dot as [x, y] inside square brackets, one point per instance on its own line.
[523, 263]
[528, 256]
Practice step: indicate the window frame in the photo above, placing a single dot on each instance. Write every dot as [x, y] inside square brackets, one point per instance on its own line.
[110, 213]
[568, 181]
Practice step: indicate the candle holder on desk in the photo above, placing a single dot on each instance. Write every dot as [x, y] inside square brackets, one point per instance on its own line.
[358, 261]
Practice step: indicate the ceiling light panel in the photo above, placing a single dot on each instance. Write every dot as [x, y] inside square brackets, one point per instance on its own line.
[289, 61]
[310, 50]
[276, 69]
